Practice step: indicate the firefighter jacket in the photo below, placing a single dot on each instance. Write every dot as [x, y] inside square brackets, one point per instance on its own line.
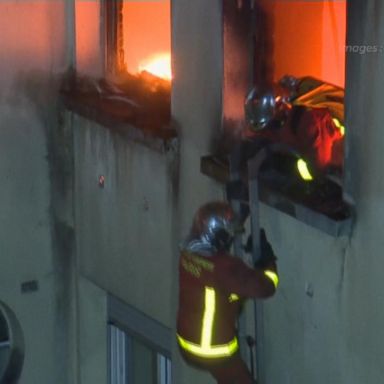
[314, 93]
[314, 126]
[210, 296]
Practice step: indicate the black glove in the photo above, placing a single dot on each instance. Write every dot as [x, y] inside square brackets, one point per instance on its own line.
[267, 255]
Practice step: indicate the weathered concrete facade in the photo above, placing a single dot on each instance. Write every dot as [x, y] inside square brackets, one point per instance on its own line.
[82, 242]
[196, 106]
[34, 50]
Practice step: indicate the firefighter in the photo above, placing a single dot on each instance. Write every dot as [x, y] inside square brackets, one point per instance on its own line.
[213, 285]
[306, 114]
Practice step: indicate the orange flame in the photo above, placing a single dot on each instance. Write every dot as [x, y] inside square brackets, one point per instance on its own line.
[159, 65]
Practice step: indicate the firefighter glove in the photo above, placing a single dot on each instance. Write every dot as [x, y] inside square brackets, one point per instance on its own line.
[267, 255]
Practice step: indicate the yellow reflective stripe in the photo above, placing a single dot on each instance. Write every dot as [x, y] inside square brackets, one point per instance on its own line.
[205, 348]
[222, 350]
[272, 276]
[340, 126]
[233, 297]
[303, 170]
[209, 313]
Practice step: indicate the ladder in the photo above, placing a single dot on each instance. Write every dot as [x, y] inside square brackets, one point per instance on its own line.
[244, 340]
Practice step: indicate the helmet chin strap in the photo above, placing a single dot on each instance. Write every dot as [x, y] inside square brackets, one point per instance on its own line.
[207, 247]
[200, 246]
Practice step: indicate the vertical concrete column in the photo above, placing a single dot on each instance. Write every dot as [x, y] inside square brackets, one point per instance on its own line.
[197, 54]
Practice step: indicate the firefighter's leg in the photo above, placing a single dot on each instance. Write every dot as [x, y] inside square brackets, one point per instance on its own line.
[233, 371]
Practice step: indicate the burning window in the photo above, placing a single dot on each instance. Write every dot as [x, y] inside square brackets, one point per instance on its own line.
[294, 50]
[303, 38]
[267, 39]
[138, 42]
[146, 38]
[300, 117]
[302, 51]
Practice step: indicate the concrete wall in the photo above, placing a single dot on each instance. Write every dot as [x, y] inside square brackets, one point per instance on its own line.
[123, 231]
[196, 104]
[127, 232]
[324, 325]
[33, 44]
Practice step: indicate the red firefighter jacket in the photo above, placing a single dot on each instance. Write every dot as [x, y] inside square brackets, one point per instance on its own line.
[313, 134]
[313, 126]
[210, 295]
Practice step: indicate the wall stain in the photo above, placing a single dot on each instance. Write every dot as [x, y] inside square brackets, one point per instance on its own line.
[41, 90]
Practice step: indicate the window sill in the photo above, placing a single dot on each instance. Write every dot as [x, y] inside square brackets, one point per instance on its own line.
[116, 111]
[322, 209]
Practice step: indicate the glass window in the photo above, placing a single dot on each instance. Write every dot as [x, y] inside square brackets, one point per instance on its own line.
[133, 361]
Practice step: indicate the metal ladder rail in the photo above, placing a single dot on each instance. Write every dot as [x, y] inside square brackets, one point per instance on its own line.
[238, 251]
[254, 165]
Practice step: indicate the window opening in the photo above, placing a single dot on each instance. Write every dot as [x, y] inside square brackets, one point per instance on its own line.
[303, 39]
[291, 54]
[138, 346]
[138, 54]
[164, 367]
[299, 61]
[132, 361]
[146, 38]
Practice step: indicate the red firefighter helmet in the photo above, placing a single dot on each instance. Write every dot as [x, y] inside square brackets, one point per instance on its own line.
[214, 225]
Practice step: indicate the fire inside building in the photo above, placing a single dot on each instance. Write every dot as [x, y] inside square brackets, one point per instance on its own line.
[192, 191]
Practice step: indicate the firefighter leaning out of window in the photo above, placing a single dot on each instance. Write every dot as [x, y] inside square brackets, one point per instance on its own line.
[213, 284]
[305, 114]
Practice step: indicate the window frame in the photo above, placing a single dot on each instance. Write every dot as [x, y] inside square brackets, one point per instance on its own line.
[112, 26]
[112, 21]
[138, 326]
[247, 13]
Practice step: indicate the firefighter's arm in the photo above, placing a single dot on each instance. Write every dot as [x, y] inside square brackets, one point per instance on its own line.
[260, 282]
[248, 282]
[267, 261]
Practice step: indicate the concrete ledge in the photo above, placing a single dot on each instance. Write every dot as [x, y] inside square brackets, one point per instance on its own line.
[330, 215]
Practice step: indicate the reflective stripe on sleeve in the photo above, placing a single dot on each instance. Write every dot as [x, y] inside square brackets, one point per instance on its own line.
[272, 276]
[303, 170]
[340, 126]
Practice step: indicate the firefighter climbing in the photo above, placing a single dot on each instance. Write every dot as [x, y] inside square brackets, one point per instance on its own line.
[213, 285]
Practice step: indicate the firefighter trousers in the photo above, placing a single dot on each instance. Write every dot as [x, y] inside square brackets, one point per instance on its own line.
[229, 370]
